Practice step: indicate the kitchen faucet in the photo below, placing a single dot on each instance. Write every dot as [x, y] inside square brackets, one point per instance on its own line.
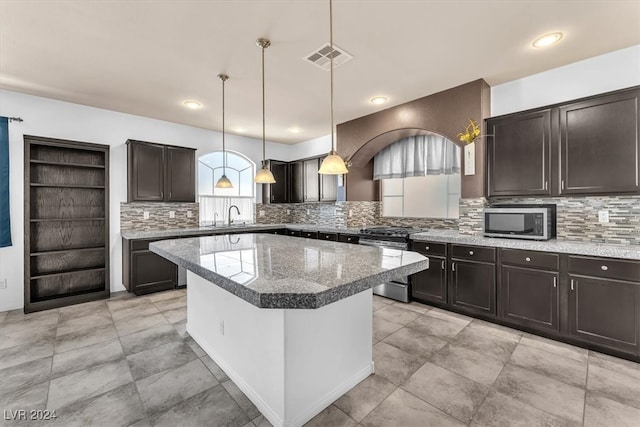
[229, 214]
[215, 218]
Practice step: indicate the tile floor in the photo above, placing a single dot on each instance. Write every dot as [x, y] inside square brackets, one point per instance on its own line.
[129, 362]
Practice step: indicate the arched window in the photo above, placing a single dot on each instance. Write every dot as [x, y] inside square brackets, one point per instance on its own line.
[240, 171]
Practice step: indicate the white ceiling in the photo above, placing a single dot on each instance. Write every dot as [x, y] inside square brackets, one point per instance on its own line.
[145, 58]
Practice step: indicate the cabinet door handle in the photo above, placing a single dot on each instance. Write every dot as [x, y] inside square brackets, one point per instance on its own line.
[573, 288]
[555, 281]
[426, 248]
[453, 266]
[562, 184]
[442, 264]
[470, 252]
[604, 268]
[527, 259]
[546, 185]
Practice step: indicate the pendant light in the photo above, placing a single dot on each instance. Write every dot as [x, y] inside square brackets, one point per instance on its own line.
[264, 175]
[333, 163]
[223, 182]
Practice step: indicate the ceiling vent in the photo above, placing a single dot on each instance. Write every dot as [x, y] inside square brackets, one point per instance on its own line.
[321, 56]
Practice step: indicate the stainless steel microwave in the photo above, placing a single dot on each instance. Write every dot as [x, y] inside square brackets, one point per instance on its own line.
[532, 222]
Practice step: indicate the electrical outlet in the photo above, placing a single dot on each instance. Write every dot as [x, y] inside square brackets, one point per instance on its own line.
[172, 214]
[3, 284]
[261, 213]
[288, 211]
[603, 216]
[145, 215]
[308, 211]
[222, 327]
[350, 213]
[189, 214]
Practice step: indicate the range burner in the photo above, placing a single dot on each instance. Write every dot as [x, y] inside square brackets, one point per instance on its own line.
[386, 231]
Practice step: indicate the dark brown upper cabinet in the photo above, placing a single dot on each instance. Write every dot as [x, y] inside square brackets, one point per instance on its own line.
[279, 191]
[296, 172]
[586, 146]
[160, 173]
[519, 154]
[599, 147]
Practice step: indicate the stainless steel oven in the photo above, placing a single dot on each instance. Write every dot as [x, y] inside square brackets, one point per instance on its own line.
[531, 222]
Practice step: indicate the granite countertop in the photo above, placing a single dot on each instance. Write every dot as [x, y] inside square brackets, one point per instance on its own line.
[562, 246]
[221, 229]
[272, 271]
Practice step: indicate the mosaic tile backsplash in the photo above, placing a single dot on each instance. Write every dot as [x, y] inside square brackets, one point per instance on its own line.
[577, 216]
[132, 216]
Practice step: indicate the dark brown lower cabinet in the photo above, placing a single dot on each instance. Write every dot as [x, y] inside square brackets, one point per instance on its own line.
[145, 271]
[431, 285]
[605, 312]
[529, 297]
[472, 286]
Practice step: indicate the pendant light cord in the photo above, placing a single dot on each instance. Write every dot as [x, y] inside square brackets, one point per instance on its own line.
[331, 69]
[264, 150]
[224, 153]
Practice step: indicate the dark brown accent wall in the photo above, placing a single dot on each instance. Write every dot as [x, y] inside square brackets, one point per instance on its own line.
[445, 113]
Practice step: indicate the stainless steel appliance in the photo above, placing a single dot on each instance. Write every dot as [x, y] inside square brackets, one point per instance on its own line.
[532, 222]
[393, 238]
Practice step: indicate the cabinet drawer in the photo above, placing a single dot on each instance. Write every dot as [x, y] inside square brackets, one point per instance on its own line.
[332, 237]
[530, 259]
[348, 238]
[473, 253]
[429, 248]
[309, 234]
[605, 267]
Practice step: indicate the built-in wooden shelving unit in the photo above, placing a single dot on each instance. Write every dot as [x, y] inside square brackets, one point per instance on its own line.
[66, 222]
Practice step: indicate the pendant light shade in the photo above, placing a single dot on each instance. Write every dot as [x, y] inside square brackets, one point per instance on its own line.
[223, 182]
[333, 164]
[264, 175]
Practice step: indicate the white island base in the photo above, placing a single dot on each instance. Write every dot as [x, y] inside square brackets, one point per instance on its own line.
[291, 363]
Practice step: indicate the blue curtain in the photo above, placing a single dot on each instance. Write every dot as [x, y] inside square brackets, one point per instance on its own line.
[5, 220]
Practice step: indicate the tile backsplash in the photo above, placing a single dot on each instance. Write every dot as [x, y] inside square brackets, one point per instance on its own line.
[577, 216]
[132, 216]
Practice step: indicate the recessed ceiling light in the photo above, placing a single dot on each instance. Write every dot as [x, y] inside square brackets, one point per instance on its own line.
[194, 105]
[547, 40]
[377, 100]
[295, 129]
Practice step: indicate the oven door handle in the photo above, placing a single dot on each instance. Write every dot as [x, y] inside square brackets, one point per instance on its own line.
[383, 244]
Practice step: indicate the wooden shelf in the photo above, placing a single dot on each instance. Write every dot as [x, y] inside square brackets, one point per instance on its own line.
[65, 219]
[64, 251]
[75, 165]
[45, 303]
[65, 273]
[68, 186]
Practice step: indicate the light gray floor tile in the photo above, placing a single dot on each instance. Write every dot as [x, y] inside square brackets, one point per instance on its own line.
[557, 347]
[85, 309]
[363, 398]
[331, 416]
[119, 407]
[26, 352]
[449, 316]
[176, 315]
[17, 319]
[78, 324]
[561, 368]
[397, 314]
[614, 385]
[180, 327]
[469, 363]
[495, 330]
[149, 338]
[437, 327]
[21, 377]
[616, 364]
[126, 303]
[417, 307]
[88, 383]
[382, 328]
[394, 364]
[377, 305]
[135, 311]
[478, 339]
[415, 341]
[600, 411]
[85, 338]
[86, 357]
[160, 358]
[454, 394]
[542, 392]
[31, 396]
[195, 347]
[261, 421]
[139, 323]
[3, 314]
[382, 300]
[14, 334]
[214, 369]
[159, 296]
[406, 410]
[170, 304]
[499, 410]
[161, 391]
[241, 399]
[211, 408]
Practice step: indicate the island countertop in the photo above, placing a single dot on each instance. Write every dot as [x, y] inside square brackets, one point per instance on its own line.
[273, 271]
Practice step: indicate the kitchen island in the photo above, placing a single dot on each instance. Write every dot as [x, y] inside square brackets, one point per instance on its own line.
[289, 320]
